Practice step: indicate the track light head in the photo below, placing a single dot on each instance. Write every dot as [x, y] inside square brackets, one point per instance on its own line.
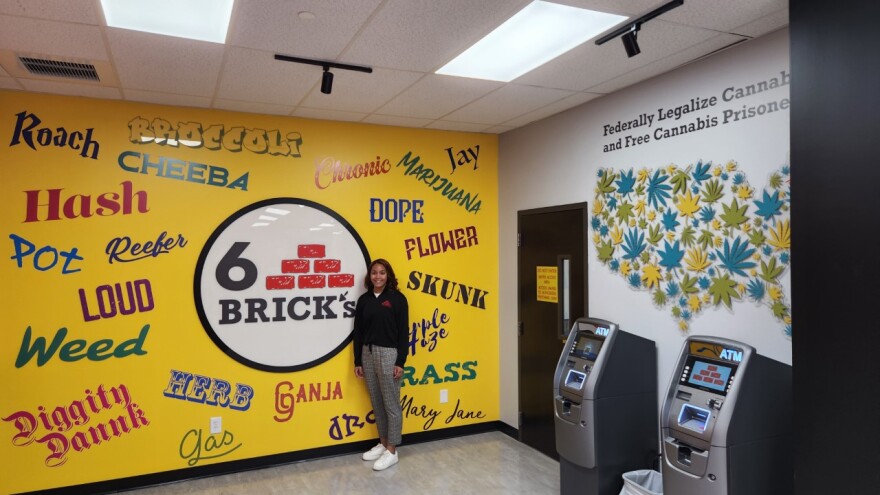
[630, 43]
[327, 81]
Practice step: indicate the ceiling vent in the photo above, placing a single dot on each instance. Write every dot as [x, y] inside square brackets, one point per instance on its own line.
[55, 68]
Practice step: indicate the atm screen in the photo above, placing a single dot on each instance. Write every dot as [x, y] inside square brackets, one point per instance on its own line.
[586, 347]
[709, 374]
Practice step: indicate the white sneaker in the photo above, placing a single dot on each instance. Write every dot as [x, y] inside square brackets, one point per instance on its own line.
[374, 453]
[385, 461]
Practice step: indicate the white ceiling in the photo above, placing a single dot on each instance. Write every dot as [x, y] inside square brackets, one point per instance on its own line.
[404, 41]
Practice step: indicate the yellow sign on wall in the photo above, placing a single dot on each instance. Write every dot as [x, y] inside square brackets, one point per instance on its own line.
[548, 284]
[166, 266]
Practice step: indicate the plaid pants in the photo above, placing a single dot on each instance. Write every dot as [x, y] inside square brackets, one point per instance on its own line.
[384, 391]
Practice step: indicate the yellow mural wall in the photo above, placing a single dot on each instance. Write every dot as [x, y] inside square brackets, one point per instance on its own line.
[172, 270]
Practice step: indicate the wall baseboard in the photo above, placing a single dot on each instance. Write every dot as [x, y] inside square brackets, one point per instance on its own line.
[230, 467]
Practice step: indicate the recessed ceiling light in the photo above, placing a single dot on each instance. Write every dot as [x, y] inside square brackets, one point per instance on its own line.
[306, 15]
[204, 20]
[532, 37]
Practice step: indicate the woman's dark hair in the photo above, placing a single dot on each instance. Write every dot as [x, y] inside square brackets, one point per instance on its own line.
[392, 279]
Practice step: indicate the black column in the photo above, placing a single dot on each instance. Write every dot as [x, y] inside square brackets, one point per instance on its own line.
[835, 170]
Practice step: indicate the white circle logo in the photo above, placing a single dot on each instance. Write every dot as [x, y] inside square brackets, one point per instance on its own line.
[277, 282]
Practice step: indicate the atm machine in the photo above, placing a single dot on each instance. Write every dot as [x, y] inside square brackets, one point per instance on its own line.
[605, 398]
[726, 422]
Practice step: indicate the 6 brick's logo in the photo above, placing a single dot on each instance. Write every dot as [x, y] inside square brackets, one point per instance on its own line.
[276, 284]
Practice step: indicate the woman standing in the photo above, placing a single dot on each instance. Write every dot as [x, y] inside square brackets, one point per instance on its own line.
[381, 338]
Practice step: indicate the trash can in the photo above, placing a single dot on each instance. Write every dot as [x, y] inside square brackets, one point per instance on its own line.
[642, 482]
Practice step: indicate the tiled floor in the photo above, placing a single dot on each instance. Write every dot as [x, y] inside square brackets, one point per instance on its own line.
[485, 463]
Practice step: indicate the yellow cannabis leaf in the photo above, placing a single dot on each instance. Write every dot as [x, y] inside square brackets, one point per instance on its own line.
[746, 227]
[670, 236]
[731, 166]
[632, 222]
[616, 235]
[640, 207]
[695, 303]
[625, 268]
[651, 275]
[741, 288]
[744, 192]
[597, 239]
[598, 207]
[706, 298]
[643, 175]
[780, 237]
[671, 169]
[716, 224]
[774, 292]
[651, 215]
[688, 204]
[683, 325]
[718, 241]
[697, 260]
[716, 171]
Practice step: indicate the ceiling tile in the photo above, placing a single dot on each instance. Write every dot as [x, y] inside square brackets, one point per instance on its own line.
[666, 64]
[396, 120]
[552, 109]
[67, 88]
[447, 125]
[325, 114]
[507, 103]
[167, 99]
[722, 15]
[251, 75]
[273, 25]
[423, 35]
[359, 91]
[9, 83]
[164, 64]
[253, 107]
[79, 11]
[434, 96]
[58, 39]
[591, 64]
[764, 25]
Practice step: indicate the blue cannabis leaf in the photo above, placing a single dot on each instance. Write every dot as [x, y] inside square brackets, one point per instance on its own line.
[635, 280]
[658, 192]
[633, 244]
[672, 289]
[701, 172]
[769, 206]
[625, 182]
[671, 256]
[756, 289]
[669, 222]
[707, 214]
[735, 255]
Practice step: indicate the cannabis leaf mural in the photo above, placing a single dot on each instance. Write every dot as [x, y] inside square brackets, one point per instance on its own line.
[696, 237]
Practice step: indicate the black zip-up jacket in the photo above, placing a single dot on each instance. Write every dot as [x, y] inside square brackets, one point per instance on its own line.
[382, 321]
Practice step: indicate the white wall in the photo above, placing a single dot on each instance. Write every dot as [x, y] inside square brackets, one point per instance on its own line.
[556, 161]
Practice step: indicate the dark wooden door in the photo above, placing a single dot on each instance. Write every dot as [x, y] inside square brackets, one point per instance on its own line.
[548, 237]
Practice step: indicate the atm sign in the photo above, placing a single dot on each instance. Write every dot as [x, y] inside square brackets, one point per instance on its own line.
[731, 355]
[602, 331]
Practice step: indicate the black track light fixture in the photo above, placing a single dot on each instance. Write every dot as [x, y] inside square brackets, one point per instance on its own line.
[630, 43]
[628, 31]
[327, 81]
[327, 78]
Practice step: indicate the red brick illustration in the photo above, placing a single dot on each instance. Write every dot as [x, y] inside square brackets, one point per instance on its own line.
[341, 280]
[311, 281]
[294, 266]
[311, 251]
[279, 282]
[328, 266]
